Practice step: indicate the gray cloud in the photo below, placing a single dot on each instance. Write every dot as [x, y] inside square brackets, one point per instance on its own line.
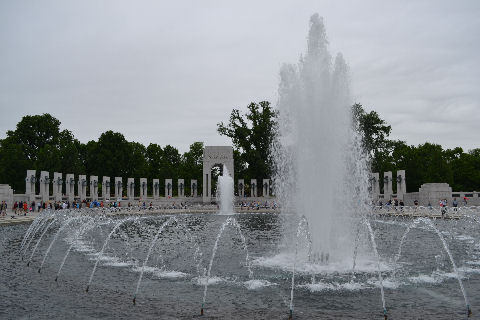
[167, 72]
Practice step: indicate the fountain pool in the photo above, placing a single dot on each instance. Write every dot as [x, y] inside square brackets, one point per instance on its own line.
[249, 277]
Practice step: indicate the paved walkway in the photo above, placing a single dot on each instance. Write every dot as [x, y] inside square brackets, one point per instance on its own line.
[6, 220]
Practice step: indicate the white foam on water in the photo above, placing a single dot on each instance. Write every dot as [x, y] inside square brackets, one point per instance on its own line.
[161, 273]
[424, 278]
[284, 261]
[466, 270]
[436, 277]
[212, 280]
[465, 238]
[322, 286]
[257, 284]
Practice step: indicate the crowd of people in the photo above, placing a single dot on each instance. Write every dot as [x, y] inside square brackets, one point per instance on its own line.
[257, 205]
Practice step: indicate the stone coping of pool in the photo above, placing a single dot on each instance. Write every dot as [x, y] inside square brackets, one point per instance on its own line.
[406, 212]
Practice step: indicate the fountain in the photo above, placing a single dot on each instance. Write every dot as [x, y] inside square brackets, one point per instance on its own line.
[321, 170]
[225, 192]
[328, 254]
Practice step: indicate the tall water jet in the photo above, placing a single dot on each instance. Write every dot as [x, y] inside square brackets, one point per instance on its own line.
[321, 172]
[225, 192]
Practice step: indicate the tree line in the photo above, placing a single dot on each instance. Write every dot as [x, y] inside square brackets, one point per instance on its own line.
[427, 162]
[38, 143]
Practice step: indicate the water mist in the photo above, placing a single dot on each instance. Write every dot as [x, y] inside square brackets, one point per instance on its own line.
[321, 172]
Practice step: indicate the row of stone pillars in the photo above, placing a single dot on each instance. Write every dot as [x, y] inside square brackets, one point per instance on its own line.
[266, 188]
[387, 184]
[93, 183]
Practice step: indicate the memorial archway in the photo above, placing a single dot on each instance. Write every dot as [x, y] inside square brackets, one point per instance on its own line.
[215, 155]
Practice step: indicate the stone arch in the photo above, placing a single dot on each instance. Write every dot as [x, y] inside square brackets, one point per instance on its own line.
[213, 155]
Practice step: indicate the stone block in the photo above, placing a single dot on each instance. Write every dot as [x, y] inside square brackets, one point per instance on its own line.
[253, 188]
[106, 188]
[241, 188]
[94, 188]
[168, 188]
[57, 186]
[143, 188]
[131, 189]
[70, 186]
[45, 186]
[266, 188]
[118, 188]
[82, 187]
[181, 187]
[156, 188]
[193, 188]
[30, 181]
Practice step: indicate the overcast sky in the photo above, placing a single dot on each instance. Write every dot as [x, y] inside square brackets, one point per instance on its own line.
[168, 72]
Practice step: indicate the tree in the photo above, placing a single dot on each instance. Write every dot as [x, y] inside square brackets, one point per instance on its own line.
[252, 135]
[109, 156]
[37, 143]
[34, 132]
[192, 165]
[374, 132]
[154, 155]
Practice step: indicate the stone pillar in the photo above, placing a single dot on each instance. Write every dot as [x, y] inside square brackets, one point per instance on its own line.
[143, 188]
[156, 188]
[207, 187]
[387, 185]
[45, 185]
[241, 188]
[193, 188]
[106, 188]
[30, 181]
[401, 184]
[118, 188]
[94, 188]
[266, 188]
[376, 184]
[253, 188]
[57, 186]
[82, 187]
[70, 186]
[168, 188]
[131, 189]
[181, 187]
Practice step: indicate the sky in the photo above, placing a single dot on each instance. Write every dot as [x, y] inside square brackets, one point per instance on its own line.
[167, 72]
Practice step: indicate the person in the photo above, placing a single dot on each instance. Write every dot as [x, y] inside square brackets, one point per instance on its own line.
[465, 201]
[455, 204]
[25, 208]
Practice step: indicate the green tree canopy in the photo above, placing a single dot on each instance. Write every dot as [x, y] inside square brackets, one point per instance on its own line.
[252, 134]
